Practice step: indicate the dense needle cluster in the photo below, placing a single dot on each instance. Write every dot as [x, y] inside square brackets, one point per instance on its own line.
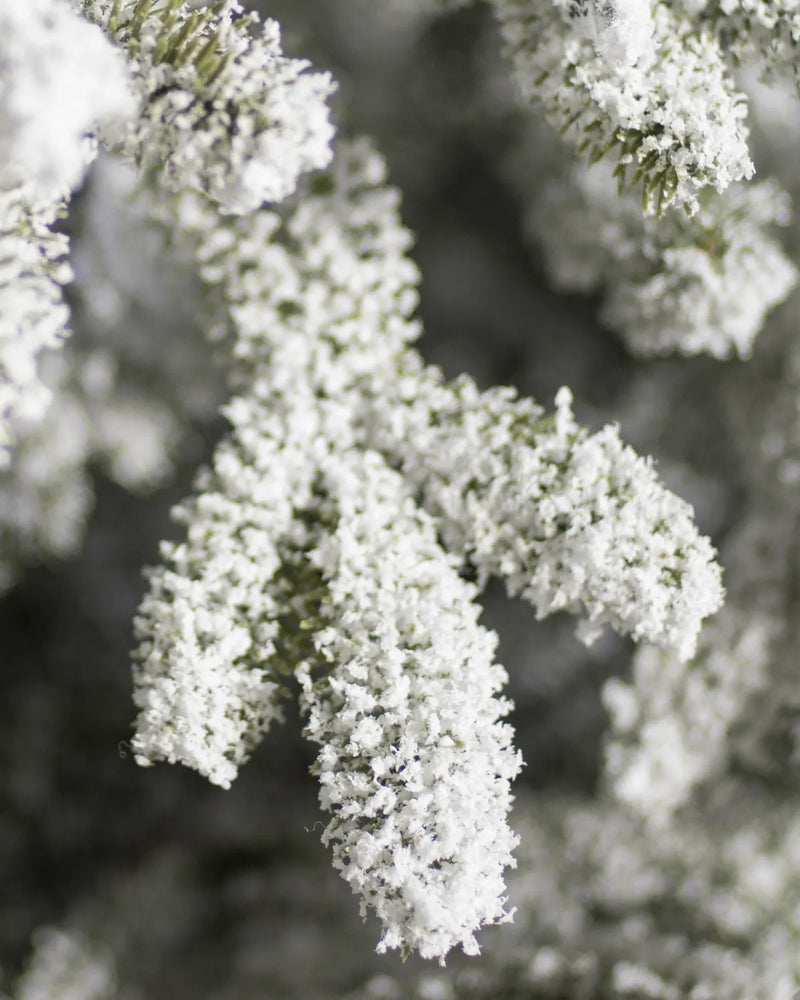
[276, 575]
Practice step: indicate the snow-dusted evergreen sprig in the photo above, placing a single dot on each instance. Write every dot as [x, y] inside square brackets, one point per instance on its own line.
[221, 109]
[414, 764]
[571, 521]
[33, 314]
[324, 314]
[272, 577]
[675, 284]
[232, 612]
[761, 33]
[672, 119]
[60, 79]
[609, 910]
[621, 30]
[301, 537]
[211, 657]
[286, 301]
[671, 725]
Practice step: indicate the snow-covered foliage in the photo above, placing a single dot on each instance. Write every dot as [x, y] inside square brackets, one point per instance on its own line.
[33, 314]
[220, 108]
[671, 116]
[700, 285]
[319, 307]
[413, 765]
[243, 286]
[607, 908]
[114, 398]
[60, 80]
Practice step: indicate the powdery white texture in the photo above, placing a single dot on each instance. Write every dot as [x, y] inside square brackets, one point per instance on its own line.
[60, 79]
[708, 907]
[571, 521]
[209, 621]
[33, 314]
[221, 109]
[673, 119]
[395, 621]
[414, 765]
[608, 908]
[621, 30]
[692, 286]
[305, 551]
[671, 725]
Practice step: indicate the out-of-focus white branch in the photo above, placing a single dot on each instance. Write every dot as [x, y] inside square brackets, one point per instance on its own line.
[699, 285]
[60, 80]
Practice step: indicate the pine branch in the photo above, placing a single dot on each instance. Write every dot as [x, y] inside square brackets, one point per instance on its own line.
[305, 553]
[221, 109]
[570, 521]
[414, 765]
[33, 315]
[672, 119]
[690, 285]
[59, 79]
[764, 34]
